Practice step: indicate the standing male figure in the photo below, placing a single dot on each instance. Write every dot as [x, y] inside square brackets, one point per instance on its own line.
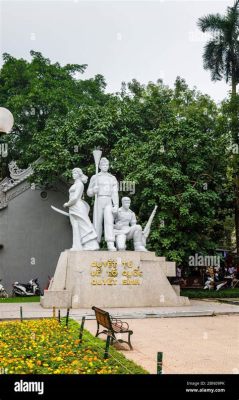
[106, 187]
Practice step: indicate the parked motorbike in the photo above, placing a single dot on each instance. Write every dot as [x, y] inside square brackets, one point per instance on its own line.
[229, 281]
[209, 284]
[3, 292]
[32, 288]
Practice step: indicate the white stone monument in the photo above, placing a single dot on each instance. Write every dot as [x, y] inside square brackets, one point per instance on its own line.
[104, 187]
[83, 232]
[114, 277]
[126, 228]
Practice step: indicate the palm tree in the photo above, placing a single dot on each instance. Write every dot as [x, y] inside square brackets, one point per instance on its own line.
[221, 57]
[221, 53]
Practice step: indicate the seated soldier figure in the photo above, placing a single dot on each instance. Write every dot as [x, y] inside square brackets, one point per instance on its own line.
[126, 227]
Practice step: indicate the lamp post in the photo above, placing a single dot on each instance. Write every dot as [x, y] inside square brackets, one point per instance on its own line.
[6, 124]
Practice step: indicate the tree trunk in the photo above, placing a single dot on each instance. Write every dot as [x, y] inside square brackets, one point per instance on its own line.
[237, 212]
[234, 88]
[235, 138]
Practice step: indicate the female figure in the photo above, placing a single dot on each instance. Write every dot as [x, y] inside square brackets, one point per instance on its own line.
[84, 235]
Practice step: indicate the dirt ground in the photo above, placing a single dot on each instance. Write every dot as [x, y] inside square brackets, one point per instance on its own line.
[190, 345]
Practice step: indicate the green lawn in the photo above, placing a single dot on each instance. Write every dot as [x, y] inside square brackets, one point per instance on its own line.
[26, 299]
[210, 294]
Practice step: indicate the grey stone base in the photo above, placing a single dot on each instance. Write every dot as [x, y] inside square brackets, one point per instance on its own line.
[56, 298]
[176, 289]
[112, 279]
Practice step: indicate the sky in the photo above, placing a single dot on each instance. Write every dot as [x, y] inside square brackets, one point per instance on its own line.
[122, 40]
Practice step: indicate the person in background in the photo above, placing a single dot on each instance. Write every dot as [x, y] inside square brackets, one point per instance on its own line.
[225, 271]
[231, 270]
[237, 271]
[179, 273]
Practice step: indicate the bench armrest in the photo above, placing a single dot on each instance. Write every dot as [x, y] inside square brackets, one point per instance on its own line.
[119, 323]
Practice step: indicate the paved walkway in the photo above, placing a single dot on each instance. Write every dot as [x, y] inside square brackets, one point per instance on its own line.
[197, 308]
[209, 344]
[190, 345]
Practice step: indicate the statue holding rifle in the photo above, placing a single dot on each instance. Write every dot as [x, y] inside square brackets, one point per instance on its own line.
[106, 273]
[126, 227]
[119, 224]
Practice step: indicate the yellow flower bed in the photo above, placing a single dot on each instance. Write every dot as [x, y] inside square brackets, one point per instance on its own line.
[47, 347]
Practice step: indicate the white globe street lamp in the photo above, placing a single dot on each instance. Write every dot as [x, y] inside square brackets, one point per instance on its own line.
[6, 120]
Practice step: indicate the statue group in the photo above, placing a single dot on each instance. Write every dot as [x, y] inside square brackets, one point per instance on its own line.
[118, 224]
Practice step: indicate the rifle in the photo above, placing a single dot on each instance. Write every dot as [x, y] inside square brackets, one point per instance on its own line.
[146, 230]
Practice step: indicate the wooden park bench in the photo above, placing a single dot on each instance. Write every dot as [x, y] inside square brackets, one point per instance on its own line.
[112, 326]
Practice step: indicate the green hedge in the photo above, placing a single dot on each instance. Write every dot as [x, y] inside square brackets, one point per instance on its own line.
[210, 294]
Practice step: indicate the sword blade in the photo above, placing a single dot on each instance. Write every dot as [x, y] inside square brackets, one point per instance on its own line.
[60, 211]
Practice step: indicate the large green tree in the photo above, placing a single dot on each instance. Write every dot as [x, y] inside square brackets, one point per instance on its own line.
[37, 91]
[179, 163]
[169, 143]
[221, 57]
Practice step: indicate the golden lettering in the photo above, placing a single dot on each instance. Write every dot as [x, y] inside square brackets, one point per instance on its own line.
[105, 281]
[96, 273]
[94, 264]
[137, 272]
[113, 273]
[131, 282]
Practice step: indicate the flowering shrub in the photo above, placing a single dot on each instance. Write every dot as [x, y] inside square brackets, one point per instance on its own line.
[47, 347]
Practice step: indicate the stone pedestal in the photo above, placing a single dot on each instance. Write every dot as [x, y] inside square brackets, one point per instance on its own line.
[57, 298]
[112, 279]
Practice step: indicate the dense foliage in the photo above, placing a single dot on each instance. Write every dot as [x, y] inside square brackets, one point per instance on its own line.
[170, 143]
[221, 58]
[38, 91]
